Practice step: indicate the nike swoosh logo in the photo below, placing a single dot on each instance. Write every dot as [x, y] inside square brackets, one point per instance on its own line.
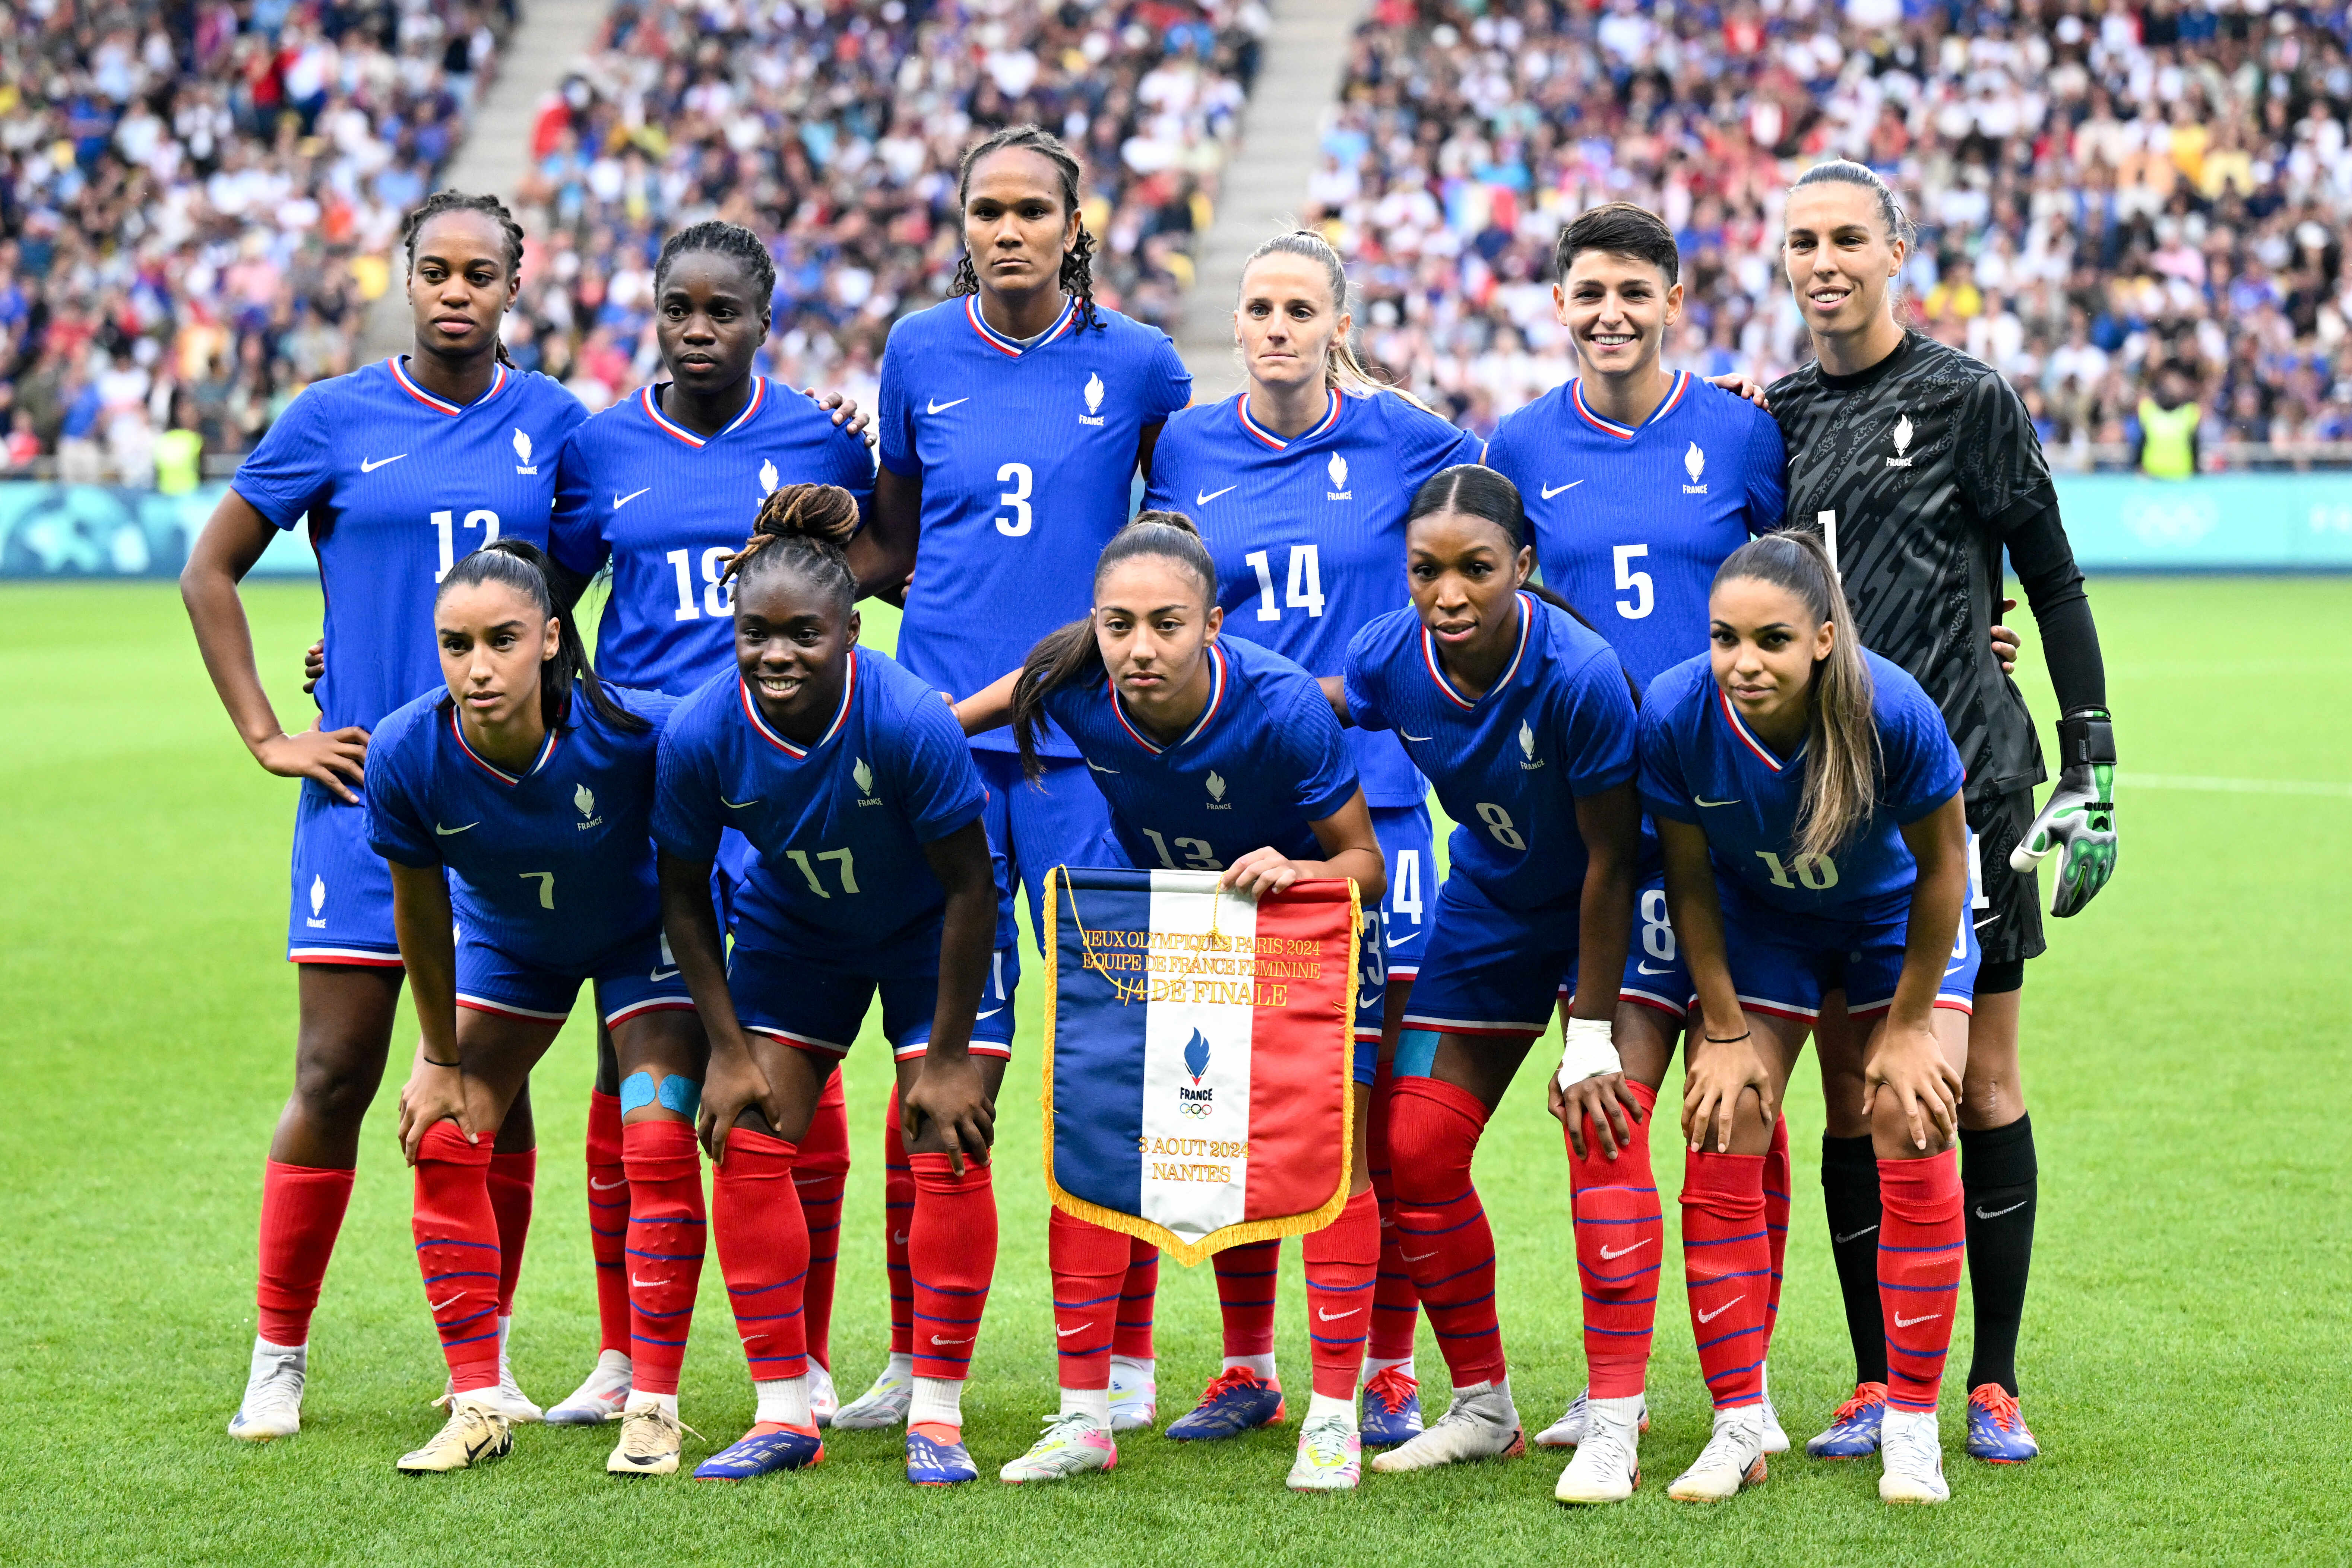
[453, 832]
[664, 975]
[437, 1306]
[621, 500]
[943, 407]
[1733, 801]
[1608, 1257]
[1551, 491]
[607, 1186]
[1903, 1322]
[991, 1013]
[647, 1284]
[899, 1238]
[368, 468]
[1644, 968]
[1955, 969]
[1065, 1334]
[740, 804]
[1423, 740]
[1335, 1317]
[1205, 497]
[1710, 1317]
[1857, 1235]
[1090, 763]
[1997, 1212]
[965, 1341]
[1418, 1257]
[1986, 921]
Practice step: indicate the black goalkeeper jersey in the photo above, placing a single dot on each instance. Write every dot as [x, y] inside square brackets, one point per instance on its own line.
[1918, 467]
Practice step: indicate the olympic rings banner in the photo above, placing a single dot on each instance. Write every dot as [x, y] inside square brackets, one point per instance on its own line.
[1199, 1050]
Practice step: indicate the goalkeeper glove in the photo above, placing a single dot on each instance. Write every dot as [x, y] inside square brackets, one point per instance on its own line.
[2078, 825]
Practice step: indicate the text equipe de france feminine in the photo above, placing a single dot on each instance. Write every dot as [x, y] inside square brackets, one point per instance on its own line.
[1203, 966]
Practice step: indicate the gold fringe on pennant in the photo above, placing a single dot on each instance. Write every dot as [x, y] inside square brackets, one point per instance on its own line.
[1193, 1253]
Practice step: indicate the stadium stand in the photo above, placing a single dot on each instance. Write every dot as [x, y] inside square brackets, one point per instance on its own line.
[196, 201]
[2114, 201]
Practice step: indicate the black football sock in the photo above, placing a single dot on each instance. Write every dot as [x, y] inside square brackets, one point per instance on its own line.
[2000, 1180]
[1849, 1193]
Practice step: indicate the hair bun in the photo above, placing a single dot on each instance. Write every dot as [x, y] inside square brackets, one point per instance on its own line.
[826, 513]
[1175, 520]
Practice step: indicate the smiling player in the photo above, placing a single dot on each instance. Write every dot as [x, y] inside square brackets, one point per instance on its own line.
[1301, 484]
[400, 468]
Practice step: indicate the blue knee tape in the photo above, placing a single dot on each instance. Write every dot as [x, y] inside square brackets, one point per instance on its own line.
[680, 1094]
[637, 1091]
[1416, 1054]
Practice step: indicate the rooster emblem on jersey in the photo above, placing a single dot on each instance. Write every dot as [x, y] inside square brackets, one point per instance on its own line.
[318, 894]
[1902, 437]
[1216, 786]
[863, 775]
[1694, 462]
[1528, 741]
[1196, 1054]
[1094, 394]
[1338, 472]
[585, 799]
[768, 479]
[524, 464]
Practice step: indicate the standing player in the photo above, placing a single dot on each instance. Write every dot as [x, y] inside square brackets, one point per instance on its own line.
[1013, 420]
[1523, 718]
[657, 488]
[1808, 802]
[1639, 481]
[1301, 485]
[852, 780]
[1920, 467]
[519, 800]
[1212, 756]
[400, 468]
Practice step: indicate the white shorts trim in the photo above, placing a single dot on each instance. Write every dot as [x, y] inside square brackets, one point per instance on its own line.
[805, 1042]
[485, 1005]
[650, 1004]
[375, 957]
[1472, 1025]
[977, 1047]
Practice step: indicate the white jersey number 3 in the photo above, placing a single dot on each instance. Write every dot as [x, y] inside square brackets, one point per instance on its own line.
[1017, 498]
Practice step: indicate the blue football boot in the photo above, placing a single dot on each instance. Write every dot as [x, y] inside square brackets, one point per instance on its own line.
[1234, 1402]
[765, 1449]
[1391, 1409]
[1852, 1431]
[931, 1463]
[1997, 1432]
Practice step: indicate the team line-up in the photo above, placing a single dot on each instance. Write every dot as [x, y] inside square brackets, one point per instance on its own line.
[1745, 769]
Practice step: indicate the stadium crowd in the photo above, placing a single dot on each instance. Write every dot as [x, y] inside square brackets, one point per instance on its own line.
[2113, 201]
[835, 129]
[197, 203]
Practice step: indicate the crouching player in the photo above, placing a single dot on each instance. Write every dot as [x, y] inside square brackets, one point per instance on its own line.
[1807, 801]
[519, 802]
[854, 782]
[1522, 717]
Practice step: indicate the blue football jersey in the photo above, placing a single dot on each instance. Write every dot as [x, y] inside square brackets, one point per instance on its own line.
[668, 507]
[1027, 460]
[840, 825]
[397, 484]
[1631, 523]
[1308, 533]
[1508, 766]
[1701, 765]
[1265, 758]
[554, 866]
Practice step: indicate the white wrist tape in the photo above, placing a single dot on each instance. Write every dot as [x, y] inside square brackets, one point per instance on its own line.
[1586, 1051]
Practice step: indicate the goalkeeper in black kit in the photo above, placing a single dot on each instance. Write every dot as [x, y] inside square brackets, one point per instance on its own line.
[1920, 468]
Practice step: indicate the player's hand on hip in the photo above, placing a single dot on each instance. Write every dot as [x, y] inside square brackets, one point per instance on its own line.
[330, 756]
[432, 1094]
[1907, 1062]
[733, 1083]
[950, 1097]
[2078, 825]
[2005, 642]
[1718, 1067]
[1604, 1099]
[1258, 873]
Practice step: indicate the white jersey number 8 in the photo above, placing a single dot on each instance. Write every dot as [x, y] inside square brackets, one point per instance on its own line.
[1498, 823]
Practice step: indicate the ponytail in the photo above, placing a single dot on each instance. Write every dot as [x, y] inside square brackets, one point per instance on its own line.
[522, 566]
[1070, 655]
[1842, 756]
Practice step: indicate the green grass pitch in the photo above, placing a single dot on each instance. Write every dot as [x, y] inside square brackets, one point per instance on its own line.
[2185, 1356]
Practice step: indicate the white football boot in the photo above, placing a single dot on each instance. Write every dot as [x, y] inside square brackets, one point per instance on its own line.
[1608, 1463]
[1912, 1450]
[1733, 1458]
[1480, 1423]
[272, 1405]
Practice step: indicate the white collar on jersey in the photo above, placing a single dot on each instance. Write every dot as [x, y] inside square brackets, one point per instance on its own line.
[1331, 418]
[790, 748]
[1216, 700]
[1667, 405]
[1016, 347]
[751, 406]
[1518, 655]
[1748, 736]
[442, 405]
[492, 768]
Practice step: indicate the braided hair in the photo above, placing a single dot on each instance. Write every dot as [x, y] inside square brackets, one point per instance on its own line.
[803, 528]
[454, 200]
[522, 566]
[732, 240]
[1077, 263]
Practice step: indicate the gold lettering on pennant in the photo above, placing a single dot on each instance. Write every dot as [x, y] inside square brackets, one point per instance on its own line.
[1214, 1175]
[1200, 966]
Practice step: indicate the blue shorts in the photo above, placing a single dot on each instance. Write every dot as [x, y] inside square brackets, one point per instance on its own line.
[1655, 975]
[1037, 826]
[819, 1006]
[340, 911]
[1372, 998]
[633, 977]
[1783, 963]
[1410, 848]
[1491, 971]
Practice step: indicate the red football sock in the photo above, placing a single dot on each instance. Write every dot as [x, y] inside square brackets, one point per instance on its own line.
[1343, 1262]
[763, 1251]
[1395, 1303]
[1776, 1219]
[1727, 1265]
[458, 1247]
[897, 1217]
[608, 1220]
[951, 1257]
[1620, 1236]
[665, 1253]
[1137, 1296]
[302, 1209]
[1434, 1129]
[820, 1175]
[511, 1176]
[1920, 1237]
[1088, 1263]
[1246, 1296]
